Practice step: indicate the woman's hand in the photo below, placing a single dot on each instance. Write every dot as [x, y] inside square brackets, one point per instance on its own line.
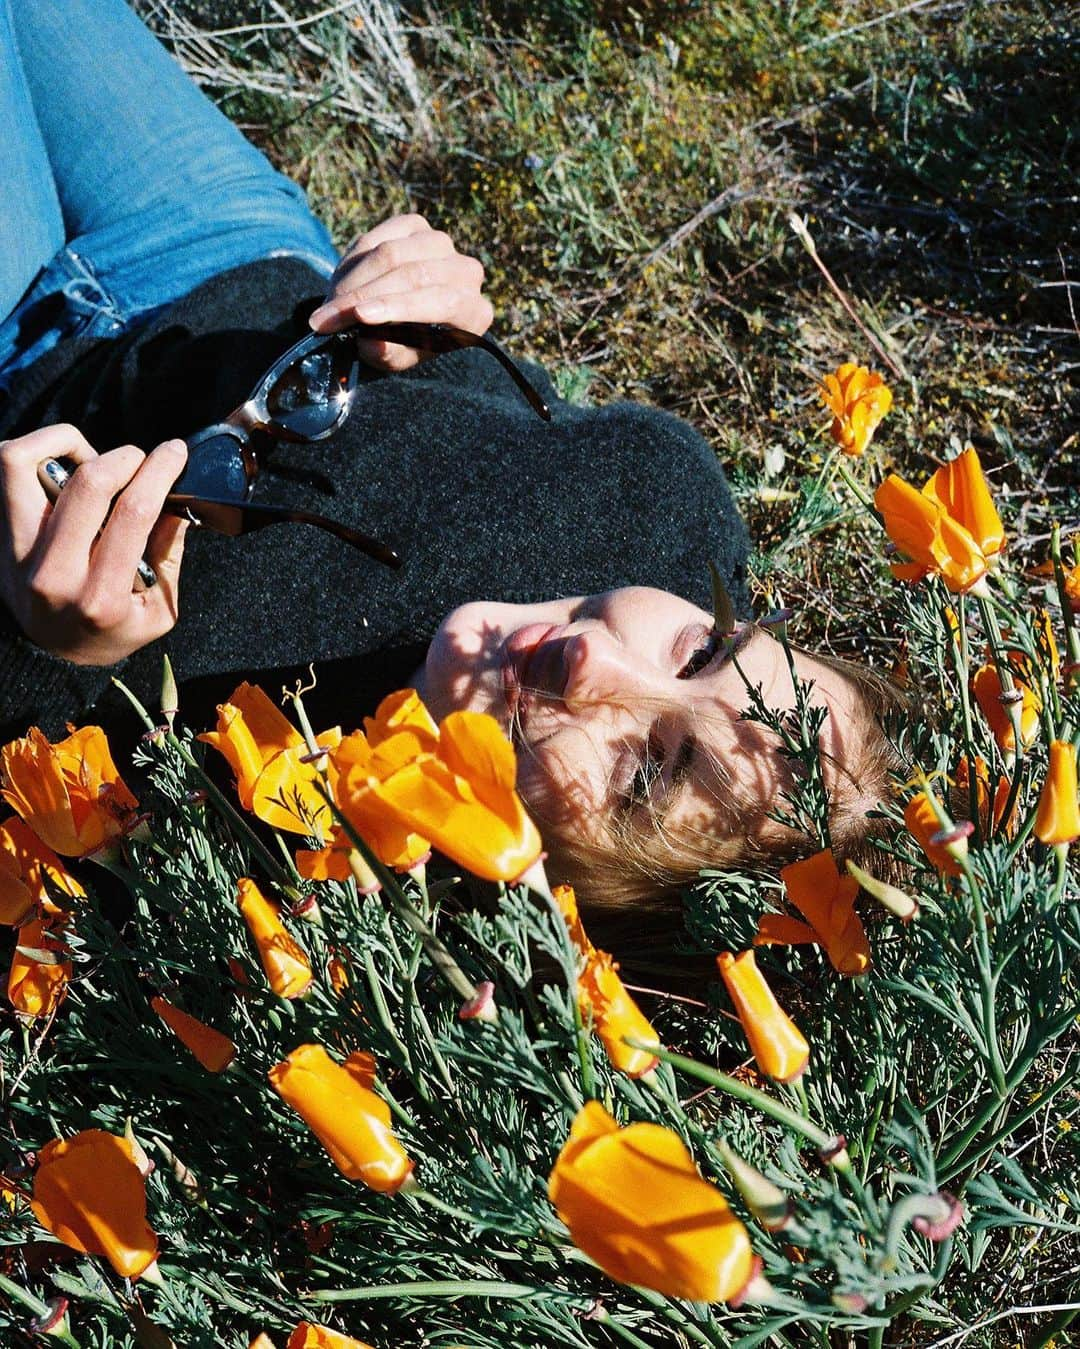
[66, 568]
[404, 271]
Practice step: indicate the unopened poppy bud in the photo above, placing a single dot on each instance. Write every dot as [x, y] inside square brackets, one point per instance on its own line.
[138, 1152]
[1057, 820]
[170, 694]
[898, 902]
[482, 1006]
[852, 1303]
[935, 1227]
[766, 1201]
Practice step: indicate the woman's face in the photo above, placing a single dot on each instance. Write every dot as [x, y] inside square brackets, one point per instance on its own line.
[625, 707]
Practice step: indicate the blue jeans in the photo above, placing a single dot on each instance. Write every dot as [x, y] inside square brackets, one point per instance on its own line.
[124, 187]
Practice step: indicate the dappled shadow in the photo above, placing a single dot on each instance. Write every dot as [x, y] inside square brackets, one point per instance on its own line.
[959, 178]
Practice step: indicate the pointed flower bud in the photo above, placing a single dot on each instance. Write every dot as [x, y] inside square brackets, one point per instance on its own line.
[1057, 820]
[214, 1050]
[283, 958]
[348, 1118]
[766, 1201]
[776, 1042]
[900, 904]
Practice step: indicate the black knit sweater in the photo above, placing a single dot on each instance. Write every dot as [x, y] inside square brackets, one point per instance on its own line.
[447, 462]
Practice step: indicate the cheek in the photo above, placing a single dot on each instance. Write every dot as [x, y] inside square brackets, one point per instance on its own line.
[563, 785]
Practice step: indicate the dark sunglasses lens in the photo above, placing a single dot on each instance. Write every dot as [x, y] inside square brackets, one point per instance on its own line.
[216, 467]
[311, 396]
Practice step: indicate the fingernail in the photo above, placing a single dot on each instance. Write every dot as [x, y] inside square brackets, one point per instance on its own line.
[319, 316]
[370, 311]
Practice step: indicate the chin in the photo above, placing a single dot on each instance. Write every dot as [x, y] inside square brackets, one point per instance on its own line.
[462, 671]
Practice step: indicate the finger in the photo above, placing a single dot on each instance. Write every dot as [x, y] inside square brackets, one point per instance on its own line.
[165, 553]
[23, 500]
[135, 513]
[436, 304]
[409, 256]
[79, 513]
[397, 227]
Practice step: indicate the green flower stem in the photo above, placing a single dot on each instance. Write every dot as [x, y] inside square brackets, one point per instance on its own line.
[622, 1332]
[224, 806]
[962, 664]
[987, 982]
[433, 1201]
[1061, 871]
[570, 957]
[857, 490]
[1005, 678]
[909, 1298]
[449, 1288]
[988, 1144]
[760, 1100]
[34, 1304]
[440, 957]
[378, 997]
[901, 1215]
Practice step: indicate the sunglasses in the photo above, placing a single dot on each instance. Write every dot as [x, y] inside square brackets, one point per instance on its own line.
[305, 397]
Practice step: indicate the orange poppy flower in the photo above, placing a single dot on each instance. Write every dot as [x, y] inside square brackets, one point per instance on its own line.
[990, 815]
[36, 988]
[858, 400]
[70, 793]
[27, 869]
[950, 528]
[266, 753]
[778, 1046]
[90, 1194]
[308, 1336]
[283, 958]
[361, 765]
[986, 686]
[402, 711]
[1057, 820]
[636, 1204]
[603, 998]
[922, 823]
[960, 489]
[348, 1118]
[1072, 588]
[213, 1050]
[827, 901]
[615, 1014]
[462, 798]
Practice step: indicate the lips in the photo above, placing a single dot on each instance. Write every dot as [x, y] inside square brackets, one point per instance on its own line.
[533, 664]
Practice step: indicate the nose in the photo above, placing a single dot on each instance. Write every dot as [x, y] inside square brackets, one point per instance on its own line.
[600, 669]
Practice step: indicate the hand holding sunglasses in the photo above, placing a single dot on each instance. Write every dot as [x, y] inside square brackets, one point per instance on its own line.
[68, 556]
[305, 397]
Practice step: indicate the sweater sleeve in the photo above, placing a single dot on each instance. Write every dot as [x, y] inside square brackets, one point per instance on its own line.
[39, 689]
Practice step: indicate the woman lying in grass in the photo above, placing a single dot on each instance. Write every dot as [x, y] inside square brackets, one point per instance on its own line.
[154, 268]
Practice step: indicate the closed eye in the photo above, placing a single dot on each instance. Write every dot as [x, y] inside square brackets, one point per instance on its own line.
[700, 656]
[645, 775]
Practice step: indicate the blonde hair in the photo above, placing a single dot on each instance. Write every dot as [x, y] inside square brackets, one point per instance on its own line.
[637, 873]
